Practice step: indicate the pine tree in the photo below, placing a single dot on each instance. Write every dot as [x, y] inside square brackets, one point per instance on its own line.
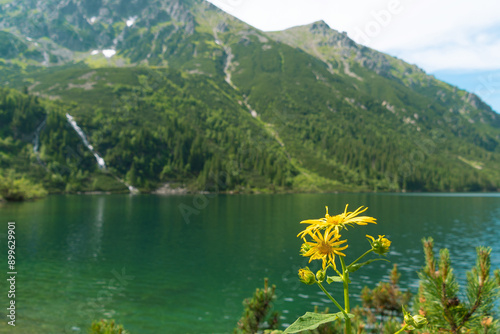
[440, 301]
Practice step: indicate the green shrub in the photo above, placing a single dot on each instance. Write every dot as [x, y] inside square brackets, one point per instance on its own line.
[258, 313]
[13, 188]
[106, 327]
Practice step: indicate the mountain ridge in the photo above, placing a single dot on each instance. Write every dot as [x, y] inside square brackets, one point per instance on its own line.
[331, 115]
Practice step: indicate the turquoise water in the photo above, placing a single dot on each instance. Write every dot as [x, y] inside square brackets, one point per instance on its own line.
[141, 261]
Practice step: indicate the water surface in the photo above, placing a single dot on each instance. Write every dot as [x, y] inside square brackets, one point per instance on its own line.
[183, 264]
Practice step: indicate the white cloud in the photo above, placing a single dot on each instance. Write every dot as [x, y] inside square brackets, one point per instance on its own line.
[469, 55]
[273, 15]
[433, 34]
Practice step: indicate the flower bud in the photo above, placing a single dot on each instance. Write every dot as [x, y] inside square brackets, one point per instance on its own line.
[408, 318]
[381, 245]
[320, 275]
[419, 321]
[307, 276]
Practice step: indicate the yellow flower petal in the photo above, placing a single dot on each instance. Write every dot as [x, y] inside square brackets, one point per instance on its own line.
[338, 222]
[325, 246]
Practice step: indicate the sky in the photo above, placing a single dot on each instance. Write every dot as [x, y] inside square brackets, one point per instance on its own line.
[458, 41]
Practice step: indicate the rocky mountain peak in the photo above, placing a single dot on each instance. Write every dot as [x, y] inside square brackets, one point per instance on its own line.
[84, 25]
[320, 27]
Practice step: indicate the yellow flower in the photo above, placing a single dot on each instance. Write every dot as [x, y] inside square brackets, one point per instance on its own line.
[337, 222]
[381, 245]
[324, 247]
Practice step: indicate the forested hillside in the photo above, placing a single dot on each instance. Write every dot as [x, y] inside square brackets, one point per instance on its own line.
[179, 92]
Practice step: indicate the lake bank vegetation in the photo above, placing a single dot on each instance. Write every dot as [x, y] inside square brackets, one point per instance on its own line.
[17, 189]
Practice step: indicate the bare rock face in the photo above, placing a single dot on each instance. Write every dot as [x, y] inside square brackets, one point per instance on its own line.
[168, 189]
[82, 25]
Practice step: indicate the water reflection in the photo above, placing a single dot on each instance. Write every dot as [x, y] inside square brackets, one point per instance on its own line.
[96, 234]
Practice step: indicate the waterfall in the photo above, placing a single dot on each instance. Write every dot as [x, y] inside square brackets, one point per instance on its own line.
[36, 140]
[100, 161]
[132, 189]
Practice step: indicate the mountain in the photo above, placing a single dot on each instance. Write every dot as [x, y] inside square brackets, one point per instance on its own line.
[170, 91]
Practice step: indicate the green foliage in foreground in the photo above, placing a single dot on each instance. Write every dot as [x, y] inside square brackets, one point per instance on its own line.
[258, 314]
[444, 312]
[451, 310]
[384, 301]
[439, 299]
[106, 327]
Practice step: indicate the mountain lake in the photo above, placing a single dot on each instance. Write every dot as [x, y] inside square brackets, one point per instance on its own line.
[184, 264]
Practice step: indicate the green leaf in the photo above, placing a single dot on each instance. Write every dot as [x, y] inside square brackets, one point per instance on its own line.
[353, 267]
[331, 279]
[312, 320]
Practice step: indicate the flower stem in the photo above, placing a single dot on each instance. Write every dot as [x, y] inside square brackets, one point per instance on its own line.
[335, 268]
[333, 300]
[362, 256]
[347, 307]
[402, 329]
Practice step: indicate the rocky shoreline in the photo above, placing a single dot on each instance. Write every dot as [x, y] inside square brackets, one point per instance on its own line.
[167, 189]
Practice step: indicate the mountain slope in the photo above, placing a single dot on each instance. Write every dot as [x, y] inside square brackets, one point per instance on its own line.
[179, 91]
